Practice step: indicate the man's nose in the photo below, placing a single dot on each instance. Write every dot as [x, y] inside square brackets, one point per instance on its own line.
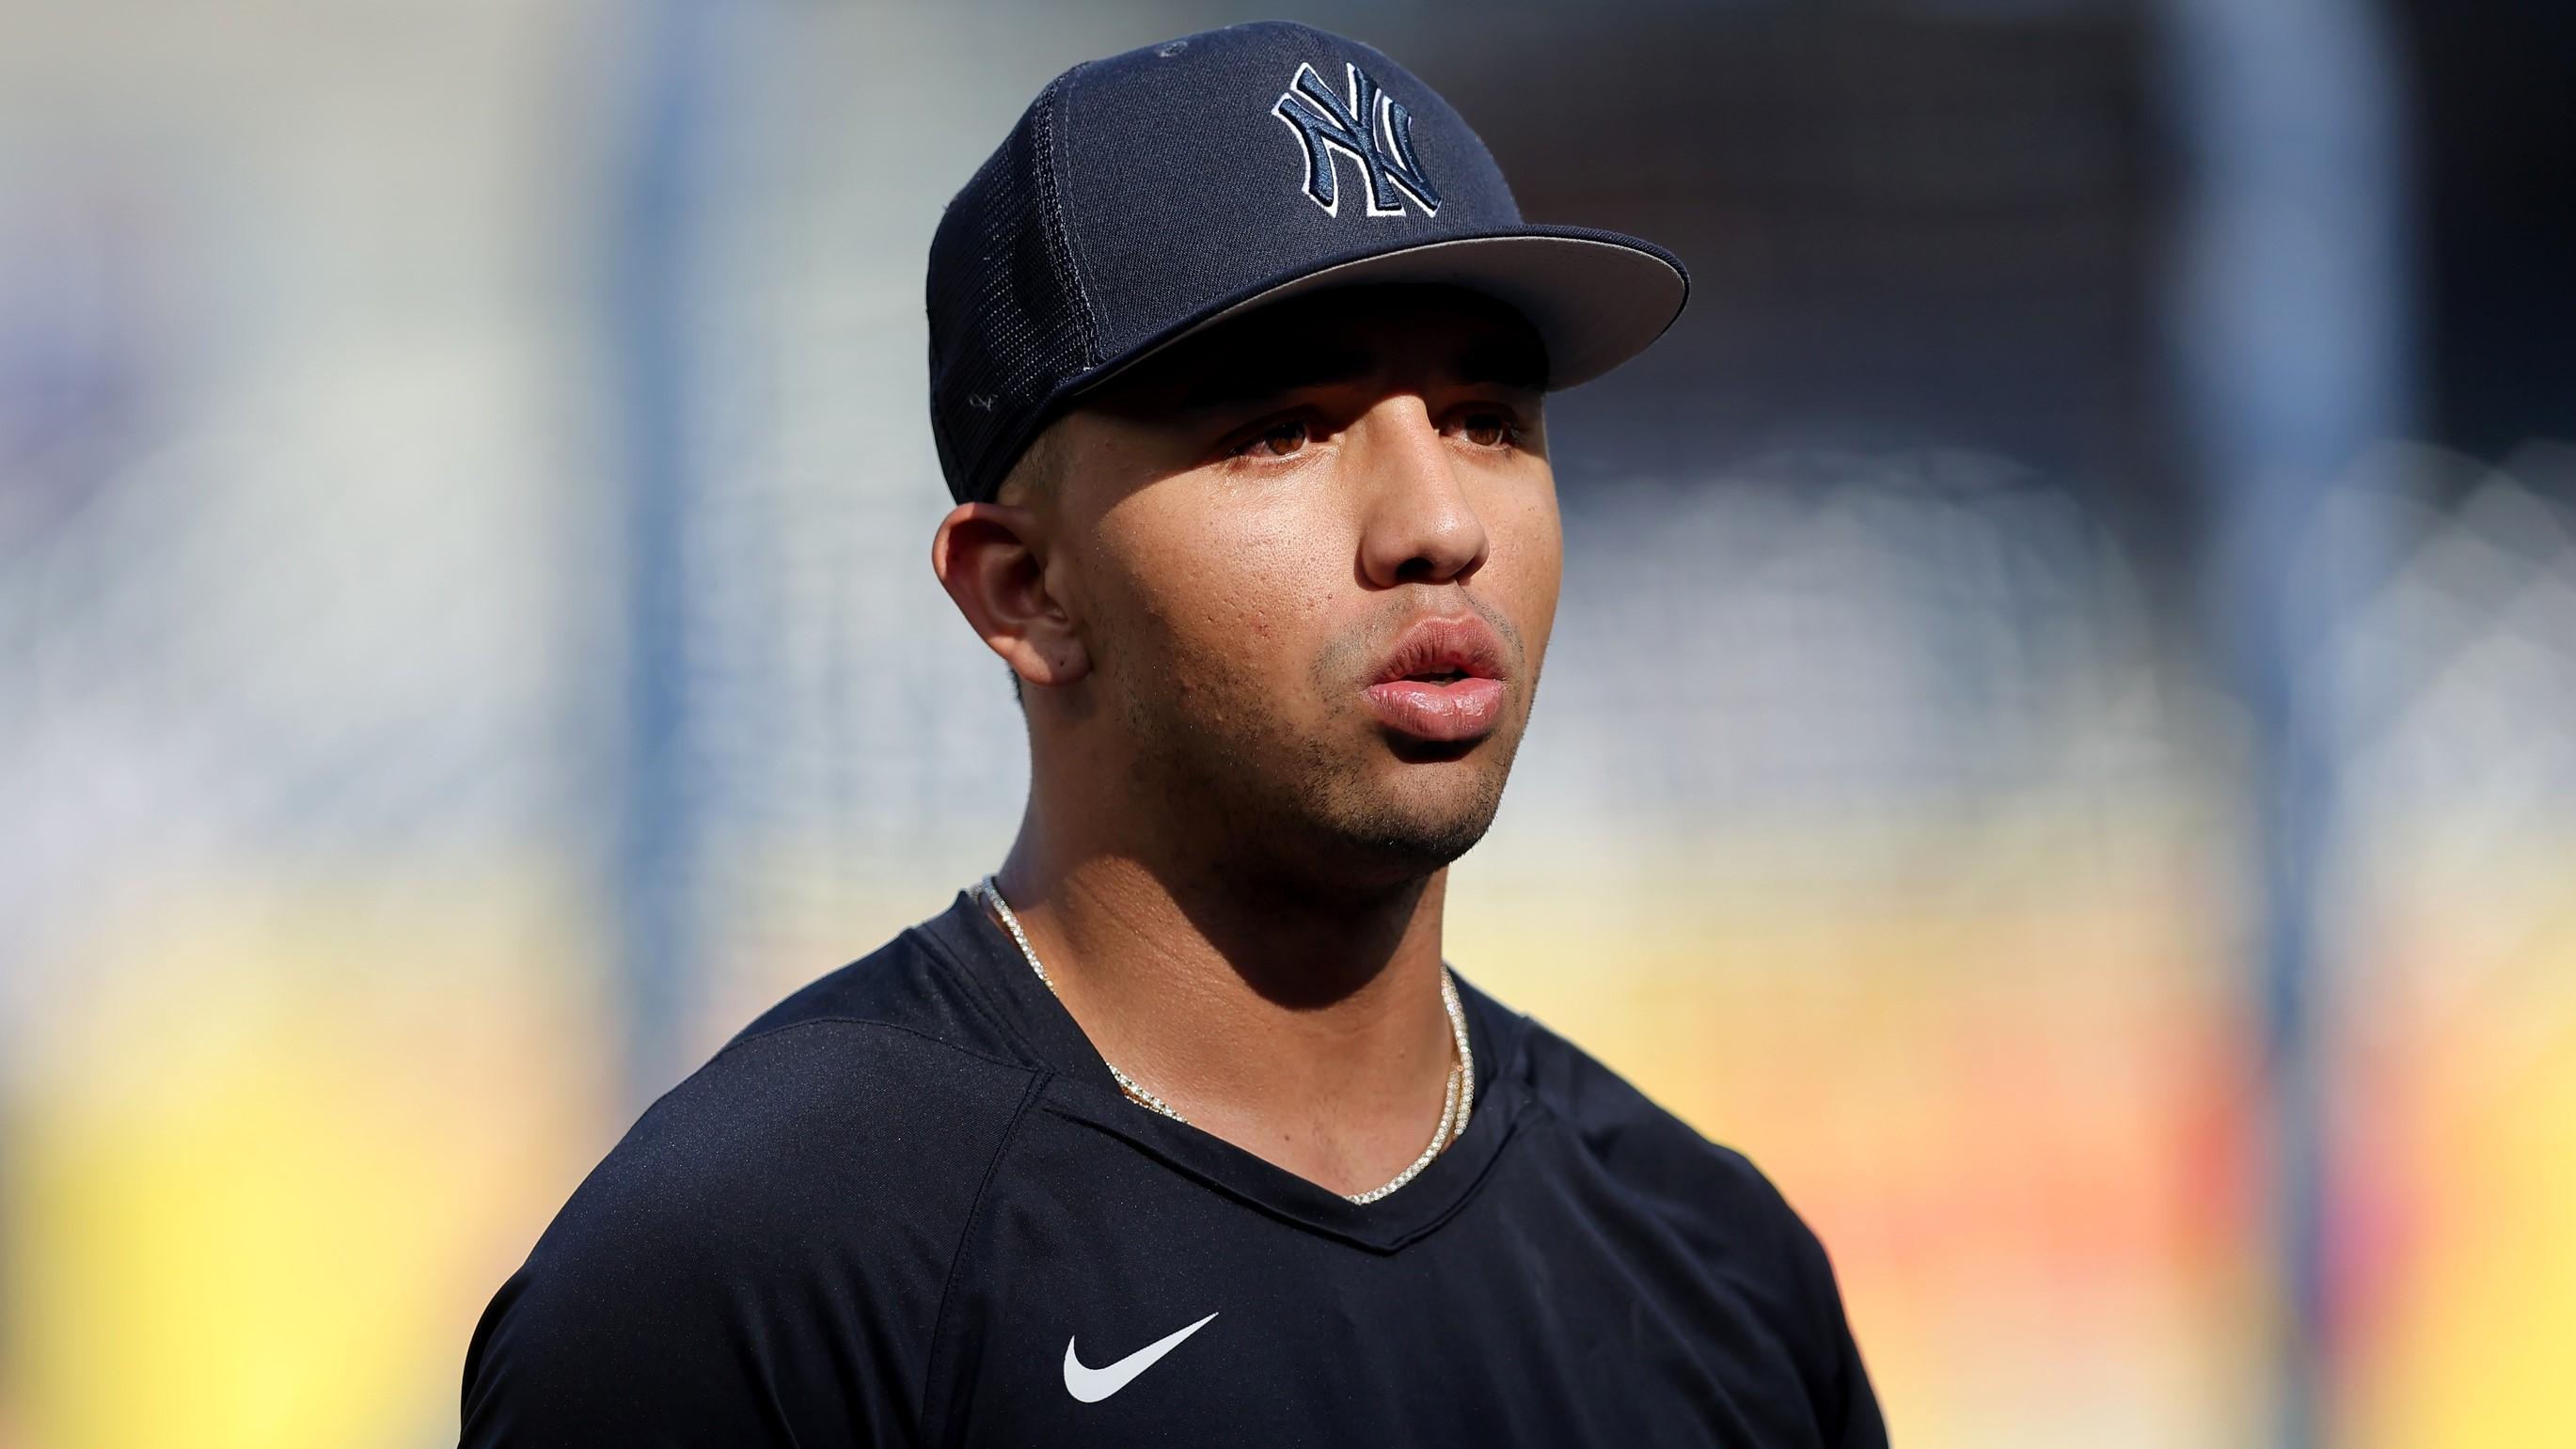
[1420, 527]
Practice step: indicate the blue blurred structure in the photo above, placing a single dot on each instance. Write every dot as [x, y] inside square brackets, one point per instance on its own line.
[2292, 335]
[657, 239]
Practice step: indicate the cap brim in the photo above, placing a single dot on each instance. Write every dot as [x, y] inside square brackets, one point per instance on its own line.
[1596, 298]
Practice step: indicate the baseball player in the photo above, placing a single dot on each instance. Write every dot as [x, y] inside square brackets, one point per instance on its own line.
[1177, 1128]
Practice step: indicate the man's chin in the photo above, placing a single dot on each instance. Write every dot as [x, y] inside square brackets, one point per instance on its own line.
[1419, 826]
[1365, 811]
[1420, 852]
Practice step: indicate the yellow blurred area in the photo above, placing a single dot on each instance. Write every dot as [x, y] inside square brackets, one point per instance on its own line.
[2010, 1103]
[2461, 1150]
[265, 1167]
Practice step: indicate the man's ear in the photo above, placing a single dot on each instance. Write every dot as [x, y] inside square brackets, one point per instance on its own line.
[988, 556]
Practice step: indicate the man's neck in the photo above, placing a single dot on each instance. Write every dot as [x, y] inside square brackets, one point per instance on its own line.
[1303, 1027]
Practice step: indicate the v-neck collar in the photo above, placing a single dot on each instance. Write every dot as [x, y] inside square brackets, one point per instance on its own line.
[1080, 1089]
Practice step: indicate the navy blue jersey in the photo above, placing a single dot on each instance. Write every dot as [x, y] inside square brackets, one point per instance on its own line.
[908, 1205]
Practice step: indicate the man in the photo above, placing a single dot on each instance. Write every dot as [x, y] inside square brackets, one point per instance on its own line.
[1178, 1129]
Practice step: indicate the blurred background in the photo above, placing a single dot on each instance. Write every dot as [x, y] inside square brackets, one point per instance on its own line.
[2060, 741]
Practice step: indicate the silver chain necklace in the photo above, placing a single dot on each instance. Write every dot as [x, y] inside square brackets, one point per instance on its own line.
[1457, 1102]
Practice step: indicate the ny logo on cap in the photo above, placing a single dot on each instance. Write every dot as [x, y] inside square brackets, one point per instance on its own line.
[1367, 125]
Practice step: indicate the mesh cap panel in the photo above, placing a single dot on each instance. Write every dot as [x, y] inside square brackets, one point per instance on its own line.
[1007, 319]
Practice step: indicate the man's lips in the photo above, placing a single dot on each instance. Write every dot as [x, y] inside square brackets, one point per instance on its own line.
[1442, 681]
[1463, 709]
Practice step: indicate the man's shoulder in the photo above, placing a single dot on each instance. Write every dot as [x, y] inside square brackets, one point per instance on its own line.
[836, 1146]
[912, 984]
[886, 1070]
[816, 1135]
[1704, 1188]
[1728, 1212]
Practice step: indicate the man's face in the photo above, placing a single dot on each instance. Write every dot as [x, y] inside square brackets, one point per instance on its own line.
[1261, 530]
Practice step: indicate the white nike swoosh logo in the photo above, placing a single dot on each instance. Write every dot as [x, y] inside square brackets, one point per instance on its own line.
[1091, 1385]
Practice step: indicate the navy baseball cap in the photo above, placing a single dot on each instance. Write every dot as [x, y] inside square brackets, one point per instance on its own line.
[1145, 197]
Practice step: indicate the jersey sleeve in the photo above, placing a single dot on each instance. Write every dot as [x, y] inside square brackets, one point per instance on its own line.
[1735, 1218]
[1846, 1404]
[760, 1261]
[611, 1334]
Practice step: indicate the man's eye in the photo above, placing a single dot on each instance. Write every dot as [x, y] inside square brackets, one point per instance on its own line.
[1487, 428]
[1279, 440]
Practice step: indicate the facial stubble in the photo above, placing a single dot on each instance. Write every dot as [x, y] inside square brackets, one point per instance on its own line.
[1347, 807]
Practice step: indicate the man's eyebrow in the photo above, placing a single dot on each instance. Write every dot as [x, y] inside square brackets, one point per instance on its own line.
[1258, 375]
